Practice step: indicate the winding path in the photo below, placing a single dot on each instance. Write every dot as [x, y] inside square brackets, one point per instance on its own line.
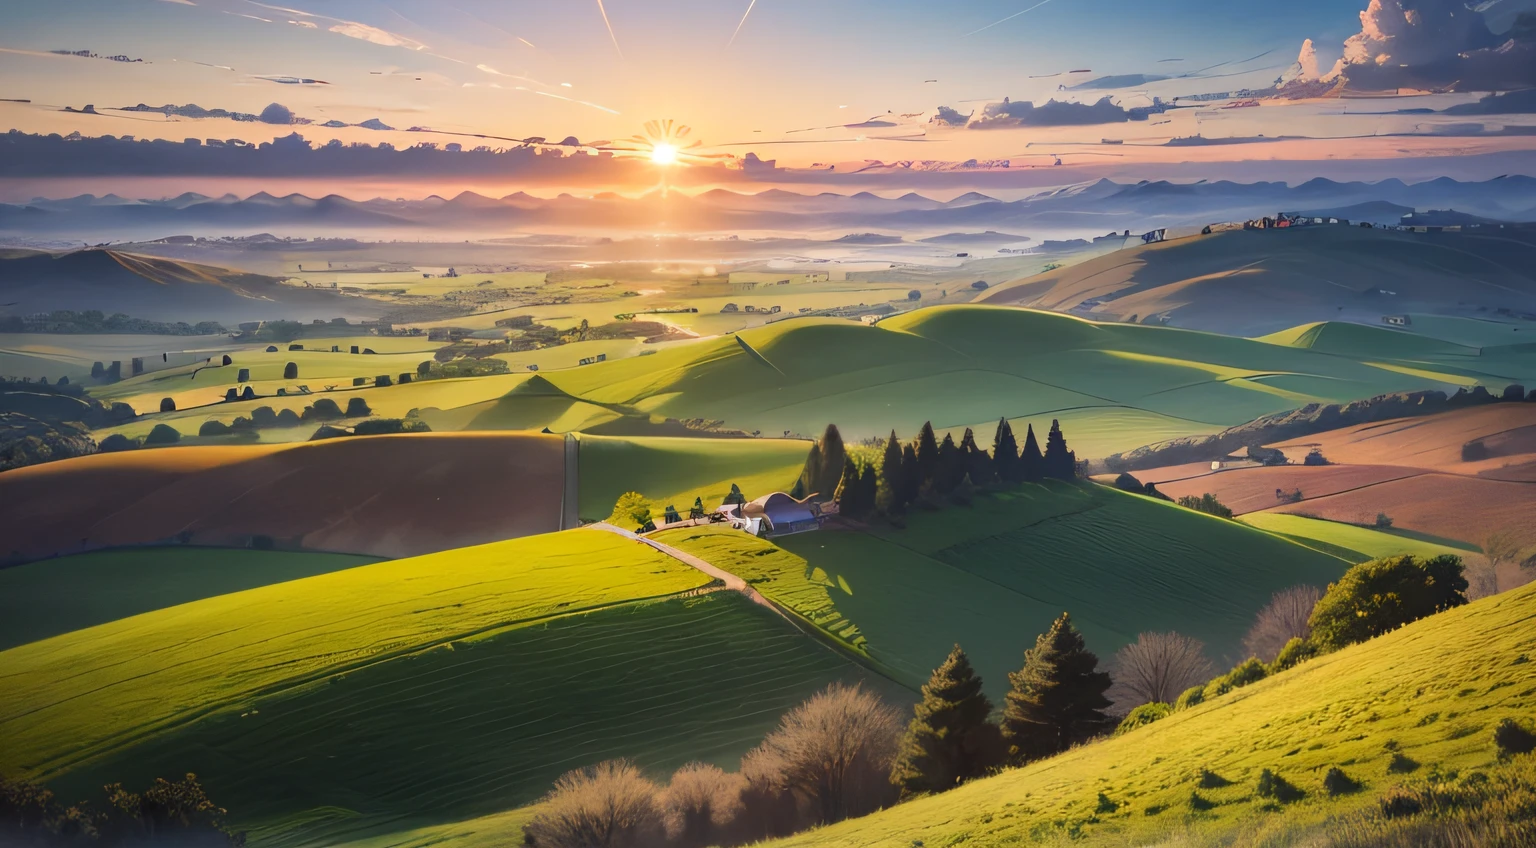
[730, 581]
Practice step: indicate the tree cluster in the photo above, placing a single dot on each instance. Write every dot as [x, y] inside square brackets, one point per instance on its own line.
[926, 470]
[166, 813]
[95, 321]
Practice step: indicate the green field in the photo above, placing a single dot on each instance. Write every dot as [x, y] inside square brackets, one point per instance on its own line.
[677, 470]
[412, 693]
[43, 599]
[1357, 544]
[994, 575]
[1433, 691]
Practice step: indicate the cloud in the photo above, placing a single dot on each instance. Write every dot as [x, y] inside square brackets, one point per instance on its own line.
[374, 35]
[950, 117]
[276, 113]
[305, 24]
[1052, 113]
[1432, 44]
[181, 2]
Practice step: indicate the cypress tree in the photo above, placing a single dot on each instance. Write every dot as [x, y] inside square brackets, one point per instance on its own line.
[1057, 698]
[1031, 461]
[927, 449]
[892, 478]
[832, 455]
[869, 489]
[1005, 454]
[949, 739]
[911, 479]
[1060, 463]
[849, 491]
[812, 471]
[951, 466]
[978, 465]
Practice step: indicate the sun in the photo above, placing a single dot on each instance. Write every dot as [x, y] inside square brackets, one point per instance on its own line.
[663, 153]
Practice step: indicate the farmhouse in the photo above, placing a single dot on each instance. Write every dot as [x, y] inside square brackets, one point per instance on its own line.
[782, 515]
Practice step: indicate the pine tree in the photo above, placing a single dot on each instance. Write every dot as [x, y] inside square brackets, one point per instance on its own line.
[811, 473]
[912, 480]
[949, 739]
[1057, 699]
[1031, 462]
[869, 489]
[892, 479]
[927, 448]
[833, 453]
[951, 466]
[978, 465]
[849, 491]
[1005, 454]
[1060, 463]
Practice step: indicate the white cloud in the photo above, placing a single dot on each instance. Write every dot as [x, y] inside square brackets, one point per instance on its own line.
[181, 2]
[304, 24]
[374, 35]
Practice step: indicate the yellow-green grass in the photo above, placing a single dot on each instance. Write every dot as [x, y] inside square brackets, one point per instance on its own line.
[496, 830]
[994, 575]
[1351, 541]
[1431, 692]
[47, 598]
[416, 285]
[677, 470]
[571, 355]
[1360, 340]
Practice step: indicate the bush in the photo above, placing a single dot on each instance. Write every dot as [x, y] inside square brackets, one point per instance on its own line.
[1512, 738]
[116, 442]
[167, 404]
[1275, 787]
[323, 409]
[1143, 716]
[1295, 652]
[287, 418]
[1156, 668]
[1207, 504]
[1382, 595]
[358, 408]
[1208, 779]
[291, 371]
[1474, 451]
[1246, 672]
[1401, 802]
[1285, 618]
[632, 508]
[163, 434]
[389, 426]
[610, 805]
[383, 380]
[213, 427]
[263, 416]
[1402, 763]
[1192, 696]
[1383, 521]
[699, 805]
[1337, 783]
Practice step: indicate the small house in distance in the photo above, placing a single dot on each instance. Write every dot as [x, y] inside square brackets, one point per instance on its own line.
[782, 515]
[1397, 320]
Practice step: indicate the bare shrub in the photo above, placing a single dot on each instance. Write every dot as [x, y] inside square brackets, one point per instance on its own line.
[1156, 668]
[1283, 619]
[832, 755]
[609, 805]
[700, 805]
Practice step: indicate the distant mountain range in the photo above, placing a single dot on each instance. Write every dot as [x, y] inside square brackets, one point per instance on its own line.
[1089, 208]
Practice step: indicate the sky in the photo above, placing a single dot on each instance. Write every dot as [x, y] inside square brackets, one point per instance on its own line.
[777, 77]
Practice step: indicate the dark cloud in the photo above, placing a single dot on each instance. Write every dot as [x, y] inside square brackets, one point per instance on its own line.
[276, 113]
[1052, 113]
[952, 117]
[1433, 44]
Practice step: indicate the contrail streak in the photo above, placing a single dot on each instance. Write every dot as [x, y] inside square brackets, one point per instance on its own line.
[1007, 19]
[609, 24]
[741, 24]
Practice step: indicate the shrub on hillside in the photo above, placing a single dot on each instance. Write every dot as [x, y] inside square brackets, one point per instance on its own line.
[1510, 737]
[291, 371]
[700, 805]
[116, 442]
[1277, 788]
[323, 409]
[1284, 618]
[631, 508]
[1246, 672]
[832, 755]
[389, 427]
[1382, 595]
[1295, 652]
[287, 418]
[263, 416]
[609, 805]
[1142, 716]
[1208, 779]
[1206, 503]
[167, 404]
[162, 434]
[1337, 783]
[213, 427]
[358, 408]
[1383, 521]
[1156, 668]
[1193, 696]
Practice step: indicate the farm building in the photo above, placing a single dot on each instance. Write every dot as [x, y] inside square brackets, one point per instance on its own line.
[782, 515]
[1397, 320]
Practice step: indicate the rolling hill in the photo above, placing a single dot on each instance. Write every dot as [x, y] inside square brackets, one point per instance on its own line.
[404, 694]
[1430, 692]
[1255, 282]
[161, 289]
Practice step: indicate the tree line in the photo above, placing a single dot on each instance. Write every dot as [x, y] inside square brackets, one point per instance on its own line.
[167, 813]
[927, 470]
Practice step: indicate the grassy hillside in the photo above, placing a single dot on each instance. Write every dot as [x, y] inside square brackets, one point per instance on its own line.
[1255, 282]
[1357, 544]
[403, 694]
[1430, 693]
[994, 576]
[677, 470]
[43, 599]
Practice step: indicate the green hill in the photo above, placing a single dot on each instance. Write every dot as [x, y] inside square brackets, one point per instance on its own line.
[993, 576]
[411, 693]
[1425, 697]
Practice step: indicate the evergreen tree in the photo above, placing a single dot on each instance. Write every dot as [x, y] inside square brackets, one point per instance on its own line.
[832, 455]
[849, 491]
[892, 479]
[1005, 454]
[949, 739]
[1031, 461]
[811, 473]
[978, 465]
[1060, 463]
[927, 448]
[951, 466]
[911, 479]
[1057, 698]
[869, 489]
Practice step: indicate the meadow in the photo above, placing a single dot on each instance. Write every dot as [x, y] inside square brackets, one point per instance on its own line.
[677, 470]
[993, 576]
[1419, 701]
[47, 598]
